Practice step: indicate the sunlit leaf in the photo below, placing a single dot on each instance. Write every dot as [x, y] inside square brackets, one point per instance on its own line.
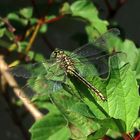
[120, 89]
[87, 10]
[43, 28]
[50, 127]
[26, 12]
[81, 122]
[14, 17]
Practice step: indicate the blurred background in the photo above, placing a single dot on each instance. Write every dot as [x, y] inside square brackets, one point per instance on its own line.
[65, 33]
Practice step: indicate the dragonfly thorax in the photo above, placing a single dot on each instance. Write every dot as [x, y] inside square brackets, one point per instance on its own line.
[65, 61]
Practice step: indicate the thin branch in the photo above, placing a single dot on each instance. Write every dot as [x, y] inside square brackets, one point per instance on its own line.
[36, 28]
[11, 29]
[53, 19]
[113, 10]
[46, 21]
[33, 37]
[12, 83]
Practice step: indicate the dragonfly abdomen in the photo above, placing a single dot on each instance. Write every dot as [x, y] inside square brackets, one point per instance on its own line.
[91, 87]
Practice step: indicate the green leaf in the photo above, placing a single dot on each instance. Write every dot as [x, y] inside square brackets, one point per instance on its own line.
[47, 105]
[129, 48]
[77, 114]
[13, 16]
[86, 10]
[132, 52]
[88, 13]
[33, 20]
[137, 66]
[121, 90]
[98, 134]
[9, 34]
[62, 134]
[43, 28]
[65, 8]
[114, 134]
[36, 56]
[2, 31]
[16, 19]
[22, 46]
[137, 124]
[26, 12]
[50, 127]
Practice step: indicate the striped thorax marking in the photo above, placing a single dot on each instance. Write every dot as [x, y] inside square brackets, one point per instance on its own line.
[65, 61]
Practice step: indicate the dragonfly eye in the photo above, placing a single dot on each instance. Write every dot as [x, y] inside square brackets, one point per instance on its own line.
[54, 54]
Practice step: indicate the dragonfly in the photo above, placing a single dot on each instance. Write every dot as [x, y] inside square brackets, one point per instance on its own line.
[66, 63]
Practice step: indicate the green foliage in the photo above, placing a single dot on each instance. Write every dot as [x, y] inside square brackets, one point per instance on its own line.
[88, 13]
[26, 12]
[74, 110]
[54, 125]
[86, 116]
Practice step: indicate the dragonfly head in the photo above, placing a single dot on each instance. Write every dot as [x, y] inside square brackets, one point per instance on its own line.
[56, 53]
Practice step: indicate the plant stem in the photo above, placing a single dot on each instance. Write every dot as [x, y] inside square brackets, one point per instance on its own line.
[12, 83]
[33, 37]
[112, 11]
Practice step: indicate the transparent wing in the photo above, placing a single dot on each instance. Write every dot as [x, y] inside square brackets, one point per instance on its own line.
[40, 89]
[31, 70]
[92, 67]
[97, 47]
[102, 41]
[43, 81]
[95, 66]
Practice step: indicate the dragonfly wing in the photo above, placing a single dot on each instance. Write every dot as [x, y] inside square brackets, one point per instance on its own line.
[96, 66]
[55, 73]
[103, 39]
[96, 48]
[39, 89]
[30, 70]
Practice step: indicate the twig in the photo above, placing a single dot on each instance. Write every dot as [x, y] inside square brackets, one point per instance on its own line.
[11, 81]
[33, 37]
[46, 21]
[53, 19]
[11, 29]
[112, 11]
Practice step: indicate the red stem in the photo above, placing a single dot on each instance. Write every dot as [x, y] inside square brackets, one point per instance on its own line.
[137, 137]
[55, 19]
